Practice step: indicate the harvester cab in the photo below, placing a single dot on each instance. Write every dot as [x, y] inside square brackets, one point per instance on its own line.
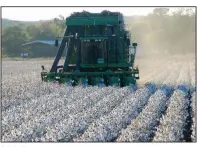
[104, 54]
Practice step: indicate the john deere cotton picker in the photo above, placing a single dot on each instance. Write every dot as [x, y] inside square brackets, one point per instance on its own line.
[103, 52]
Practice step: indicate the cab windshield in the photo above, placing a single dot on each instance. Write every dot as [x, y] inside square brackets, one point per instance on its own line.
[93, 51]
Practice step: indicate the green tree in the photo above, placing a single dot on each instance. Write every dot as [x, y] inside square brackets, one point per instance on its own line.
[12, 38]
[161, 11]
[161, 32]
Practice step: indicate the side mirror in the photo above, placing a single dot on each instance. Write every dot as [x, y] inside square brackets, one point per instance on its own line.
[56, 42]
[43, 68]
[134, 44]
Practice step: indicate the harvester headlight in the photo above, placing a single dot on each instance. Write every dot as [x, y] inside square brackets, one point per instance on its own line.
[118, 79]
[102, 80]
[136, 75]
[57, 77]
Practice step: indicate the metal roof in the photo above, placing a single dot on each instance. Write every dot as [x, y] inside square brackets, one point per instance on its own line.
[38, 42]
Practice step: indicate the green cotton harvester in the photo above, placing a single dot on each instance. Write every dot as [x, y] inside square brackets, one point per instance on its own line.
[104, 54]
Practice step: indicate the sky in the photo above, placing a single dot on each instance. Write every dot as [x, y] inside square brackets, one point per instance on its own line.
[46, 13]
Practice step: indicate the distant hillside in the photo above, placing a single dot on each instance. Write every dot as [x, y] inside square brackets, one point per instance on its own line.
[9, 23]
[159, 33]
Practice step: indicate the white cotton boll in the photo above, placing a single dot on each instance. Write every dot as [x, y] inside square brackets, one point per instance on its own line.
[34, 111]
[193, 127]
[173, 123]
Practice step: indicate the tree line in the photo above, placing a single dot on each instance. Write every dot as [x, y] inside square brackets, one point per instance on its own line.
[14, 36]
[160, 32]
[165, 32]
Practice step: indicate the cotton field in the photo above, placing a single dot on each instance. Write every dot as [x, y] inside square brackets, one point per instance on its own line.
[160, 108]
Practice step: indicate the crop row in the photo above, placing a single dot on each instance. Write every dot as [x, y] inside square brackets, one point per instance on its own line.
[144, 125]
[173, 123]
